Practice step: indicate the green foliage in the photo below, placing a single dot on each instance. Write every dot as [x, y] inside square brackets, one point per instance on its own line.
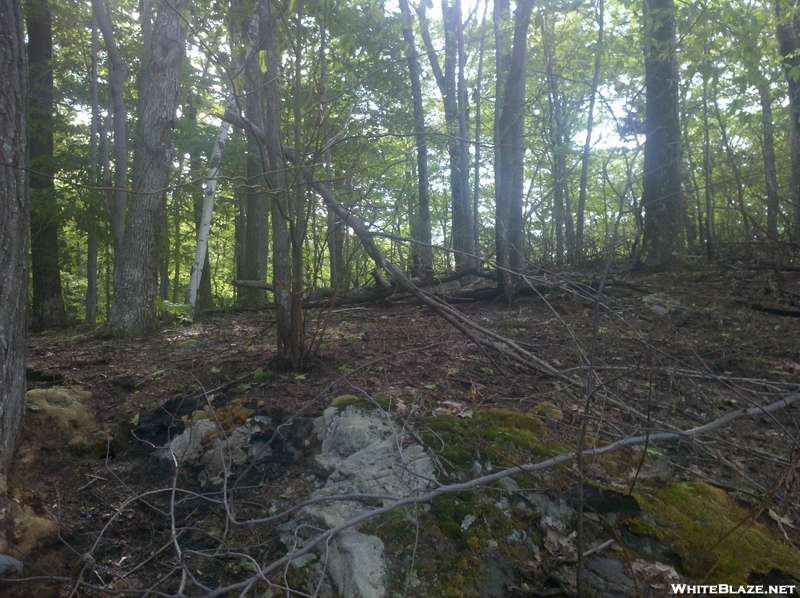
[714, 538]
[351, 97]
[181, 311]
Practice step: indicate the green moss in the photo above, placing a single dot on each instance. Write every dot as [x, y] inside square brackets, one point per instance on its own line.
[233, 415]
[342, 402]
[714, 539]
[501, 436]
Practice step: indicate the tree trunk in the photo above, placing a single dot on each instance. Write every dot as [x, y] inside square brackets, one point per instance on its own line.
[738, 177]
[598, 57]
[461, 229]
[423, 253]
[117, 201]
[256, 237]
[510, 154]
[788, 34]
[48, 302]
[707, 173]
[558, 162]
[476, 191]
[15, 219]
[289, 348]
[298, 216]
[91, 242]
[662, 199]
[135, 279]
[768, 153]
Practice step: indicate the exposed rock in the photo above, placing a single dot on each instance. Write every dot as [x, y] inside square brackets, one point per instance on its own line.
[361, 453]
[8, 563]
[608, 577]
[204, 443]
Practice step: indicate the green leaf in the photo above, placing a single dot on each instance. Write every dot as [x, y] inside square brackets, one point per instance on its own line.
[430, 386]
[300, 377]
[245, 386]
[261, 373]
[262, 61]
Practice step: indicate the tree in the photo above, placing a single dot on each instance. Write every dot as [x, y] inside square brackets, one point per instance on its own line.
[117, 201]
[455, 121]
[598, 57]
[289, 313]
[423, 254]
[510, 156]
[662, 198]
[48, 302]
[256, 232]
[136, 277]
[14, 231]
[788, 34]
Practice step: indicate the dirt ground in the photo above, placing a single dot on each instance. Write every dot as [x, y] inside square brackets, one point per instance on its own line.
[676, 350]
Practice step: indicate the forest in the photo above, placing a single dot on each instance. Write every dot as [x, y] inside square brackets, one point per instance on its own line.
[551, 245]
[461, 136]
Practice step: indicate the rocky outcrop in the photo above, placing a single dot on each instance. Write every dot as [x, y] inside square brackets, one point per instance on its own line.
[362, 453]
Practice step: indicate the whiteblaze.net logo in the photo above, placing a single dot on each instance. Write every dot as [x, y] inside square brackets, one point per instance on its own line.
[683, 588]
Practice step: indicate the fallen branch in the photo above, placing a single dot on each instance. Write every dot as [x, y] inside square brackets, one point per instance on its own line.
[495, 477]
[483, 338]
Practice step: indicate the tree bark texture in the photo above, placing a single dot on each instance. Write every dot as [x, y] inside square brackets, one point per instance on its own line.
[136, 277]
[256, 236]
[788, 34]
[509, 156]
[662, 199]
[289, 347]
[768, 153]
[598, 57]
[117, 202]
[14, 231]
[48, 301]
[423, 253]
[92, 240]
[461, 229]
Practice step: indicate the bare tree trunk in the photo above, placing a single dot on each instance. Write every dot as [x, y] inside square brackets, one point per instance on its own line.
[476, 191]
[256, 237]
[788, 34]
[461, 230]
[15, 216]
[289, 349]
[116, 83]
[738, 177]
[510, 154]
[48, 301]
[298, 217]
[556, 147]
[768, 153]
[91, 243]
[136, 279]
[467, 236]
[707, 174]
[662, 198]
[581, 208]
[423, 253]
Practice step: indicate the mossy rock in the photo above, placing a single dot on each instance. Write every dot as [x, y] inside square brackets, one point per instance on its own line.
[714, 538]
[342, 402]
[230, 417]
[502, 436]
[58, 418]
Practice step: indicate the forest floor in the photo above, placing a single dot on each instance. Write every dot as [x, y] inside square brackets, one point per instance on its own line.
[680, 349]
